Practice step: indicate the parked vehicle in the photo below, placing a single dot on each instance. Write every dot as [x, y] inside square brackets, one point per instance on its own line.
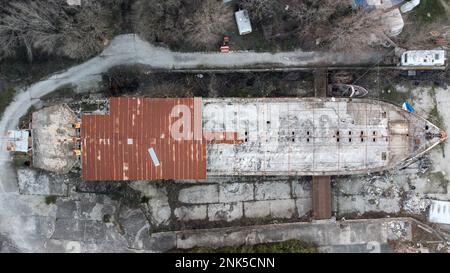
[423, 58]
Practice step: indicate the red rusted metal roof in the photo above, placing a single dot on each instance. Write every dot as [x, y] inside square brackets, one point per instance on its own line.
[116, 146]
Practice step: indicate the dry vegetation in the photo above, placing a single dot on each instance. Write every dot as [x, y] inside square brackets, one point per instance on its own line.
[425, 24]
[183, 24]
[52, 28]
[327, 24]
[308, 24]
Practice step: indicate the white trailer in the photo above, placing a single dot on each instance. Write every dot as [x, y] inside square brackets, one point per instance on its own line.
[424, 58]
[243, 22]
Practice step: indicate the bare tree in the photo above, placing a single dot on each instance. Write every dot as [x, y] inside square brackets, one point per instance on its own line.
[183, 24]
[326, 24]
[51, 27]
[209, 23]
[358, 32]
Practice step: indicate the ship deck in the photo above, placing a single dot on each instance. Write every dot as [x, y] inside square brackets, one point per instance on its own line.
[312, 136]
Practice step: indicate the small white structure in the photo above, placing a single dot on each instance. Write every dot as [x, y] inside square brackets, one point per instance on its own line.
[380, 4]
[430, 58]
[409, 6]
[18, 141]
[439, 212]
[393, 21]
[73, 2]
[243, 22]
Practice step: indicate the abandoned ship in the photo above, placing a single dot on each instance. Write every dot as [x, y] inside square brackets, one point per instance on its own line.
[193, 138]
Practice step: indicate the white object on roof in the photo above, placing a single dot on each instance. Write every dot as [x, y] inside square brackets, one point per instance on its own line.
[18, 140]
[409, 6]
[423, 58]
[380, 4]
[243, 22]
[439, 212]
[73, 2]
[155, 159]
[394, 23]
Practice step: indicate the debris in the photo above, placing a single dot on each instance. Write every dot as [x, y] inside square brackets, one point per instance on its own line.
[398, 230]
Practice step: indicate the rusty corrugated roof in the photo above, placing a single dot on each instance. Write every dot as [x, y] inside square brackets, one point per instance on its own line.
[116, 146]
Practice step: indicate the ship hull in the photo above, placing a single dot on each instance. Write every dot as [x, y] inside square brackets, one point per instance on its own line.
[313, 136]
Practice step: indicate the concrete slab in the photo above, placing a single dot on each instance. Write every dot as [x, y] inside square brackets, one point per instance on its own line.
[282, 208]
[189, 213]
[94, 232]
[13, 204]
[158, 205]
[272, 190]
[347, 233]
[301, 188]
[39, 183]
[63, 246]
[370, 247]
[235, 192]
[273, 208]
[69, 229]
[160, 211]
[161, 242]
[362, 204]
[257, 209]
[304, 206]
[85, 207]
[53, 135]
[199, 194]
[225, 212]
[134, 226]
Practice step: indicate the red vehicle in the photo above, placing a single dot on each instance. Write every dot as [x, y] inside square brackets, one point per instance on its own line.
[225, 48]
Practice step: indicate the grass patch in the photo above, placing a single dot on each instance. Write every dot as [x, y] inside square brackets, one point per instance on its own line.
[439, 177]
[433, 8]
[289, 246]
[435, 118]
[65, 91]
[254, 41]
[5, 98]
[20, 159]
[89, 107]
[239, 93]
[50, 199]
[391, 94]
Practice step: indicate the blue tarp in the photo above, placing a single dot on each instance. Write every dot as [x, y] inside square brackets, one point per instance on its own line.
[406, 106]
[359, 3]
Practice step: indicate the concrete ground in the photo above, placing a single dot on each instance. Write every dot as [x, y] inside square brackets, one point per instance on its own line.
[330, 236]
